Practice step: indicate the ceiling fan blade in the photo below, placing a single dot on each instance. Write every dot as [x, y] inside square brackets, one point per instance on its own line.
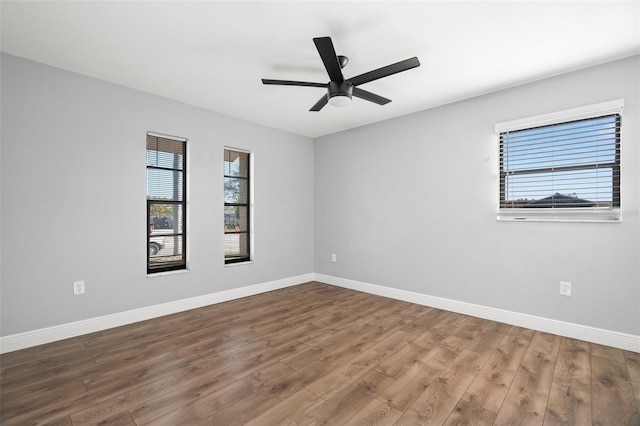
[329, 58]
[407, 64]
[293, 83]
[320, 104]
[371, 97]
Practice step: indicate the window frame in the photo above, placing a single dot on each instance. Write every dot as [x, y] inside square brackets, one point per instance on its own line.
[176, 265]
[232, 260]
[555, 213]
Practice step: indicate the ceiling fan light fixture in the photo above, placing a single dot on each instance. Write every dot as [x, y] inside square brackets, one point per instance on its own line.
[339, 94]
[339, 100]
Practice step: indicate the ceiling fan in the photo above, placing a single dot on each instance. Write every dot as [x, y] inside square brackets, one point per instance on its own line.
[339, 89]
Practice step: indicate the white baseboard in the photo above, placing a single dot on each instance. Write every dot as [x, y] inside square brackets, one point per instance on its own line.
[29, 339]
[41, 336]
[576, 331]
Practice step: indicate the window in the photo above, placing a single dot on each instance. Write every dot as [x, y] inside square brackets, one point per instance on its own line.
[166, 203]
[236, 206]
[564, 170]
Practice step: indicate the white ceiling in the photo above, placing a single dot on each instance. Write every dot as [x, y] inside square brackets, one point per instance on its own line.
[213, 54]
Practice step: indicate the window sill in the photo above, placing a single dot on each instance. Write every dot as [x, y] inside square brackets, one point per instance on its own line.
[560, 215]
[248, 262]
[161, 274]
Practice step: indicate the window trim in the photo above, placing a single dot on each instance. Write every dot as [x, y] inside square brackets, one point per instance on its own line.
[178, 266]
[559, 214]
[249, 205]
[589, 111]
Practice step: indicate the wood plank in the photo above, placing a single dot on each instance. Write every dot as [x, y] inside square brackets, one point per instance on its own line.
[376, 413]
[348, 345]
[223, 374]
[304, 356]
[97, 409]
[130, 375]
[489, 338]
[570, 395]
[272, 391]
[289, 411]
[44, 366]
[120, 419]
[491, 385]
[330, 324]
[144, 350]
[397, 363]
[71, 347]
[63, 421]
[425, 319]
[568, 406]
[39, 371]
[20, 402]
[450, 323]
[350, 400]
[402, 393]
[632, 359]
[437, 402]
[612, 394]
[470, 329]
[193, 411]
[467, 413]
[406, 388]
[392, 342]
[573, 367]
[526, 401]
[339, 378]
[545, 343]
[608, 352]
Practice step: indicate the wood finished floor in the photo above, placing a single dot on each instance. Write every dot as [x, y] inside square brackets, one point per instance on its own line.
[317, 354]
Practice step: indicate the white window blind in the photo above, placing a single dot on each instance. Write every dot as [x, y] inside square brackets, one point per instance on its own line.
[562, 169]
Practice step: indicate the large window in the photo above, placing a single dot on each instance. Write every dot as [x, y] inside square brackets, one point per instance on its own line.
[568, 170]
[166, 203]
[236, 206]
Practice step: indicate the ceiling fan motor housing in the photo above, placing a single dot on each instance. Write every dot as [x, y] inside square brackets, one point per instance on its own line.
[344, 89]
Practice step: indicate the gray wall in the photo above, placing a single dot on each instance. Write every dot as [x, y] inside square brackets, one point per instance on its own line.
[73, 198]
[410, 204]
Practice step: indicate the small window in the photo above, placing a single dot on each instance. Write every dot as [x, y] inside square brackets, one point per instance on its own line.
[562, 171]
[166, 204]
[236, 206]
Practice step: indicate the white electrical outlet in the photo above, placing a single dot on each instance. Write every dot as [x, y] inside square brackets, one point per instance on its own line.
[565, 288]
[334, 258]
[78, 288]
